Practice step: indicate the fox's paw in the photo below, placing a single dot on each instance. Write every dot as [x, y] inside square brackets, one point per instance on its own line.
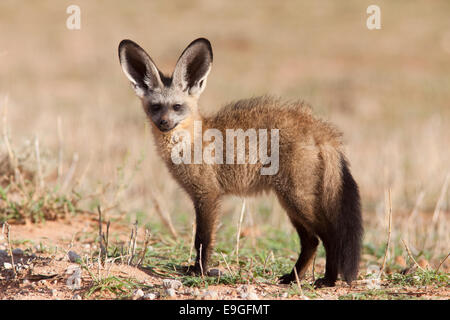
[324, 282]
[286, 279]
[192, 270]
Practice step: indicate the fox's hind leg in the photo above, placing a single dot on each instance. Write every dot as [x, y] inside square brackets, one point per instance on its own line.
[309, 243]
[332, 262]
[298, 215]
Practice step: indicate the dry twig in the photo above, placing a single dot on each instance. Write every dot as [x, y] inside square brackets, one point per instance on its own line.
[389, 232]
[10, 248]
[101, 237]
[226, 263]
[146, 241]
[298, 281]
[411, 256]
[165, 218]
[201, 265]
[442, 262]
[238, 235]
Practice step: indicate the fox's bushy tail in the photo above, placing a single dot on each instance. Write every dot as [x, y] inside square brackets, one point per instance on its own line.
[349, 227]
[341, 202]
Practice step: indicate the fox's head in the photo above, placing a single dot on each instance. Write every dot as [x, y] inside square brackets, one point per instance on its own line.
[167, 100]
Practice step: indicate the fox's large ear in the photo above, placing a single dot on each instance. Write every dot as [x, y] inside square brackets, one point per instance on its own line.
[139, 68]
[193, 67]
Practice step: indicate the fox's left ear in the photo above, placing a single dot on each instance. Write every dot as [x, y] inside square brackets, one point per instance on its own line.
[193, 66]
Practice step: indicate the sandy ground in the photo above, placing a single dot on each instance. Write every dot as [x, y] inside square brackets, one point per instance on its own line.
[43, 270]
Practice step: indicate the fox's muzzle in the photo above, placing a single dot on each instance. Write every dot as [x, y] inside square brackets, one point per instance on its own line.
[166, 125]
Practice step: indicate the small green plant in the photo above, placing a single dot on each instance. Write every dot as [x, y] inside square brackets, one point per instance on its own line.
[372, 295]
[121, 288]
[420, 278]
[18, 206]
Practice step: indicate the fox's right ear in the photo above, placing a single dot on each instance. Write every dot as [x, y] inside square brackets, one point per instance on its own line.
[139, 68]
[193, 66]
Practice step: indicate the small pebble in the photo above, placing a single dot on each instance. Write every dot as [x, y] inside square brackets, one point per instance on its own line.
[247, 292]
[149, 296]
[76, 297]
[137, 294]
[54, 292]
[171, 292]
[373, 269]
[243, 295]
[7, 265]
[73, 256]
[372, 284]
[210, 295]
[74, 281]
[252, 296]
[72, 268]
[17, 252]
[215, 273]
[284, 295]
[172, 284]
[188, 291]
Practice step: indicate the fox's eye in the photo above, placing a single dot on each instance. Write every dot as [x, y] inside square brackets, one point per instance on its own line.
[177, 107]
[155, 107]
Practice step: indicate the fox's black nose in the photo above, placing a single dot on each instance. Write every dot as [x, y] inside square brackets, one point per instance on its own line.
[164, 125]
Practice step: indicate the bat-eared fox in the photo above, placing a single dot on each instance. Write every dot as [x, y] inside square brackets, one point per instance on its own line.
[306, 169]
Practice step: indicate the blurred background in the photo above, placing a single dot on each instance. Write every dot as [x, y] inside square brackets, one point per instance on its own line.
[387, 90]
